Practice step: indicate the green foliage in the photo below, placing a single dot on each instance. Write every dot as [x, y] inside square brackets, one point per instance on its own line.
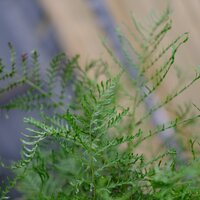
[36, 95]
[86, 149]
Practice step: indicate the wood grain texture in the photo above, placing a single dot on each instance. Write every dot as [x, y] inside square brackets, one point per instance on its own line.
[76, 27]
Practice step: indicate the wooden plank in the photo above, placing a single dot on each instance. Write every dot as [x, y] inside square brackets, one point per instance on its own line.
[77, 28]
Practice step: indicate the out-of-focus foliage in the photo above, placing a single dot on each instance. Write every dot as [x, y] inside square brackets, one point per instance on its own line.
[85, 149]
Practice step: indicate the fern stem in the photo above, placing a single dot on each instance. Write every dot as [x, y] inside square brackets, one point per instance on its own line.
[168, 99]
[43, 92]
[171, 125]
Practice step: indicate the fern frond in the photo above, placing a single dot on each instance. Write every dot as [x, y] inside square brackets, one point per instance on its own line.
[52, 72]
[35, 68]
[38, 93]
[86, 149]
[7, 186]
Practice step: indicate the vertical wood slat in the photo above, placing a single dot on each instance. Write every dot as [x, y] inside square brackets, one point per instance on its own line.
[76, 26]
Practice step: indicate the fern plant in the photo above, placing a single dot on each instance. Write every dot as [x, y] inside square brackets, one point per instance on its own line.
[87, 148]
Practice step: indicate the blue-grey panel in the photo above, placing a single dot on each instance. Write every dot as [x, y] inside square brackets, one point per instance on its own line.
[24, 24]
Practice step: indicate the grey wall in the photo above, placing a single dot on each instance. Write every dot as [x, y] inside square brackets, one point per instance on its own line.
[24, 24]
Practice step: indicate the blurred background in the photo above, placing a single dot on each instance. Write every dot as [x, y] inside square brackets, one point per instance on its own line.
[77, 27]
